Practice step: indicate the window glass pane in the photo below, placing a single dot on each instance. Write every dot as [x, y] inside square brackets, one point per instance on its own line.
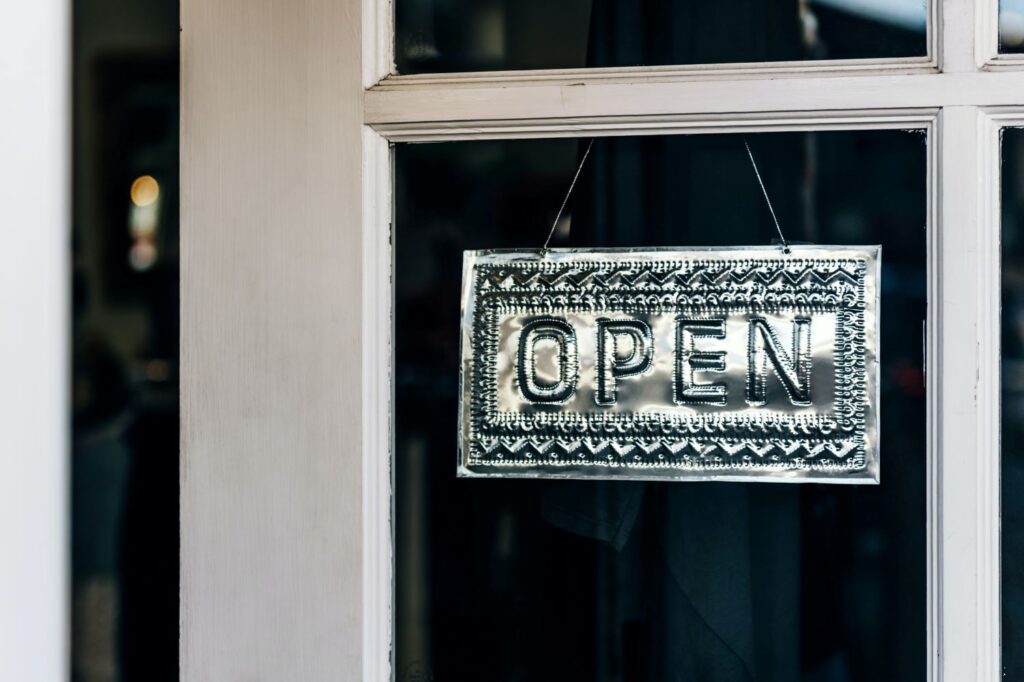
[484, 35]
[1013, 402]
[1011, 26]
[125, 277]
[563, 580]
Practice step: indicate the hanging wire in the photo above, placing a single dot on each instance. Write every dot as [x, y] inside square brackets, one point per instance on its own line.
[551, 233]
[583, 161]
[785, 244]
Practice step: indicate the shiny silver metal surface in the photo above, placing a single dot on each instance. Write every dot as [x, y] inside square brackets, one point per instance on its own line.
[694, 364]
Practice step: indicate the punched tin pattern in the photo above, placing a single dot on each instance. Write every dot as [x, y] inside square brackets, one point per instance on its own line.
[800, 411]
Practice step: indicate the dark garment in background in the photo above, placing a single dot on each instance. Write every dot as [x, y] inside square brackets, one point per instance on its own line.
[149, 551]
[720, 595]
[667, 32]
[723, 588]
[720, 588]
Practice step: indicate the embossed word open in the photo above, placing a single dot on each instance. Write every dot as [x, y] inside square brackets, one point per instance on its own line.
[735, 364]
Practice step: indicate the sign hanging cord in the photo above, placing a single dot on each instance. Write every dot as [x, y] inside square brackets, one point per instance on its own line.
[544, 249]
[785, 244]
[579, 169]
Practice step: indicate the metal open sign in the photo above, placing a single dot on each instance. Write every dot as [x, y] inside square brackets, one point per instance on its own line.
[734, 364]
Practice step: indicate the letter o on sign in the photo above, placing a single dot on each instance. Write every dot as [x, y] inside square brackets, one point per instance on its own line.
[562, 334]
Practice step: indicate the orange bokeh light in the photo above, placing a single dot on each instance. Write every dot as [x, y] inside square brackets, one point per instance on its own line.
[145, 190]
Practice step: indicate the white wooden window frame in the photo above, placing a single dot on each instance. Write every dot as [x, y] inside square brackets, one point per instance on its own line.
[987, 27]
[347, 99]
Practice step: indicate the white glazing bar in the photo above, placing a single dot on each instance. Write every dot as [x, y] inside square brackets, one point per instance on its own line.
[986, 31]
[892, 119]
[720, 71]
[378, 41]
[989, 363]
[987, 39]
[377, 352]
[963, 589]
[539, 101]
[377, 327]
[991, 126]
[957, 37]
[34, 406]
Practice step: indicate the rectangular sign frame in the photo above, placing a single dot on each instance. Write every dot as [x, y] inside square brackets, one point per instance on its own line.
[701, 311]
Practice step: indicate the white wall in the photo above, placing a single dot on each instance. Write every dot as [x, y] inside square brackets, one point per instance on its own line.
[34, 235]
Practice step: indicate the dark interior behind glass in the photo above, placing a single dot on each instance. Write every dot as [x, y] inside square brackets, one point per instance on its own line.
[1012, 386]
[124, 463]
[486, 35]
[580, 580]
[1011, 26]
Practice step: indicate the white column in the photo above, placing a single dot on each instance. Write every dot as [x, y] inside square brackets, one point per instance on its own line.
[272, 358]
[34, 408]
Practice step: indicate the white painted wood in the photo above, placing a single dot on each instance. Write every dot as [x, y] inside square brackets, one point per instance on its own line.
[1005, 62]
[933, 388]
[958, 31]
[602, 126]
[34, 284]
[378, 57]
[378, 393]
[377, 361]
[272, 346]
[989, 230]
[991, 124]
[286, 478]
[626, 74]
[553, 102]
[987, 39]
[966, 589]
[986, 32]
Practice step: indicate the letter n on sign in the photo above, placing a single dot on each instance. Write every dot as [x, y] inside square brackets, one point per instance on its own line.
[698, 364]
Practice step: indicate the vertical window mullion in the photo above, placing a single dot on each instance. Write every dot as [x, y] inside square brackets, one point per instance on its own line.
[989, 401]
[962, 346]
[986, 14]
[957, 35]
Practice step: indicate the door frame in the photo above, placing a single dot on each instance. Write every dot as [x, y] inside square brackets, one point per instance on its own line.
[348, 103]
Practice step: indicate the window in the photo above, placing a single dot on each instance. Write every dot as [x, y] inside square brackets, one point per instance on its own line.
[900, 146]
[500, 193]
[487, 35]
[1011, 27]
[1011, 390]
[643, 581]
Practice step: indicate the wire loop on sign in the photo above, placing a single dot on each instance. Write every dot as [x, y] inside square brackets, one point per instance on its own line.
[551, 233]
[785, 245]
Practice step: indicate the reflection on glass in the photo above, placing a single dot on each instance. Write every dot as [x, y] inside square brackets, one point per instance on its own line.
[1012, 387]
[1011, 26]
[125, 280]
[571, 580]
[485, 35]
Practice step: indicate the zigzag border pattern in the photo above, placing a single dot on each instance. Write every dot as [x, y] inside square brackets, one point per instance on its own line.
[704, 442]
